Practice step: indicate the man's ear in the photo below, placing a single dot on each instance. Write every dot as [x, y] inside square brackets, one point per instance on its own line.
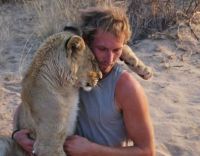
[75, 46]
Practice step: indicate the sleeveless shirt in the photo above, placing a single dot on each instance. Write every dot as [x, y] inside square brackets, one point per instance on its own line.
[98, 118]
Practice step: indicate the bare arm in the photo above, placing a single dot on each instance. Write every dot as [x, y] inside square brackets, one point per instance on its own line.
[133, 103]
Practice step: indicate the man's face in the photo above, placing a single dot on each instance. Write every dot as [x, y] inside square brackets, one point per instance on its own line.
[107, 49]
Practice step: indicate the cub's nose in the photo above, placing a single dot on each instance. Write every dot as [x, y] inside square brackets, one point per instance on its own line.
[88, 84]
[100, 75]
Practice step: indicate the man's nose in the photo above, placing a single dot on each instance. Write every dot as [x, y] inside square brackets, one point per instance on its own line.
[109, 56]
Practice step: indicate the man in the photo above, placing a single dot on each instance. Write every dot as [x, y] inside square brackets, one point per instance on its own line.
[117, 109]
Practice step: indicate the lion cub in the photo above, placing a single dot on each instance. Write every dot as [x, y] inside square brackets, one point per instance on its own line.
[50, 89]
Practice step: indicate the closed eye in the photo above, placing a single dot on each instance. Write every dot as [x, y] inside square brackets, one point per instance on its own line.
[102, 48]
[118, 50]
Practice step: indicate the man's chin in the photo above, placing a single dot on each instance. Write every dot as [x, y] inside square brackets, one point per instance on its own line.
[106, 70]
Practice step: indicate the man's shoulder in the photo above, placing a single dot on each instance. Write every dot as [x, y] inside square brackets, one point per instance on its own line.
[129, 93]
[127, 80]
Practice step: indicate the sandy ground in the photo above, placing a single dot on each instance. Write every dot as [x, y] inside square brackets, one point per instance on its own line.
[173, 92]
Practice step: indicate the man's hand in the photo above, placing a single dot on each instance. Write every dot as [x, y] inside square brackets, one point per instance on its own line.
[77, 146]
[21, 137]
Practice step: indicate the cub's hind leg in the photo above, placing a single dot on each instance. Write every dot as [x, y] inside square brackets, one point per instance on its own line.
[135, 64]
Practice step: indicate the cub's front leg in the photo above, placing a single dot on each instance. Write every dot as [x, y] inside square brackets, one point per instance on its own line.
[50, 120]
[50, 137]
[135, 64]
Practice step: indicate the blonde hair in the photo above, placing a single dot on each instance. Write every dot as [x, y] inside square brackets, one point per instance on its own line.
[109, 19]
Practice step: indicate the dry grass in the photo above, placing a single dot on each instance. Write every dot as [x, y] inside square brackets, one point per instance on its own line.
[10, 1]
[150, 16]
[5, 36]
[146, 17]
[54, 15]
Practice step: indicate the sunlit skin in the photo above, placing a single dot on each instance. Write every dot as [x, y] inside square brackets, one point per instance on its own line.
[107, 49]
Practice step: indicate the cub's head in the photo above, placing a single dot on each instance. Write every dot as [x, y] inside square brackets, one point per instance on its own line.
[82, 63]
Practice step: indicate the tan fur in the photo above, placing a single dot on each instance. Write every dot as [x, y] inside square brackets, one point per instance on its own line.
[135, 64]
[49, 94]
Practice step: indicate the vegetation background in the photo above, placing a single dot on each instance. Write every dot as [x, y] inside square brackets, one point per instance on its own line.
[166, 36]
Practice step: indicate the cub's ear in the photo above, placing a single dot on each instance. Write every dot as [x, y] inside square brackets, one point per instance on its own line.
[74, 29]
[75, 46]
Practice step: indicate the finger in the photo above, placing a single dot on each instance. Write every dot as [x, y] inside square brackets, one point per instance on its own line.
[76, 136]
[27, 146]
[67, 142]
[27, 139]
[28, 149]
[31, 142]
[26, 131]
[70, 137]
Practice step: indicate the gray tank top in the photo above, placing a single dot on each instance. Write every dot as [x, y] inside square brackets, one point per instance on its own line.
[98, 119]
